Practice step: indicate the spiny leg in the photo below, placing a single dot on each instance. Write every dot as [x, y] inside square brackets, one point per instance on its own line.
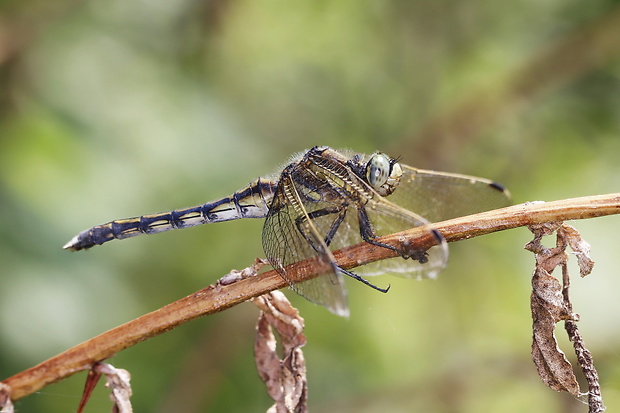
[330, 235]
[342, 212]
[368, 234]
[299, 223]
[363, 280]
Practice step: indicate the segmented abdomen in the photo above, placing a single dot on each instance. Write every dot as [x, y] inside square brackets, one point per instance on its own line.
[250, 202]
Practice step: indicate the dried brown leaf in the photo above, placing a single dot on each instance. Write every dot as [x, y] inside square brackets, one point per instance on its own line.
[547, 309]
[580, 248]
[550, 303]
[6, 405]
[285, 375]
[117, 380]
[547, 258]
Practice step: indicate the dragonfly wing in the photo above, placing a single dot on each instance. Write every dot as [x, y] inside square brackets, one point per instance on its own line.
[290, 236]
[438, 196]
[387, 218]
[384, 218]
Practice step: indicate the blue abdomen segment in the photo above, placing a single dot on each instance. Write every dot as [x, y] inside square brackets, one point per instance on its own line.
[250, 202]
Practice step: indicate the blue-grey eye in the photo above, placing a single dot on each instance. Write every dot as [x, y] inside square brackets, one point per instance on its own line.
[383, 173]
[378, 170]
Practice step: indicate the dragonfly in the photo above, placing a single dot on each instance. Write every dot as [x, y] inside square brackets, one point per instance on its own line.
[325, 200]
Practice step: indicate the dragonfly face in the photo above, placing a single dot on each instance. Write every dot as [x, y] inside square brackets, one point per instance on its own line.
[324, 201]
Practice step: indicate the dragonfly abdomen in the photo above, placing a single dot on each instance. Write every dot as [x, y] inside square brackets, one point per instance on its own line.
[250, 202]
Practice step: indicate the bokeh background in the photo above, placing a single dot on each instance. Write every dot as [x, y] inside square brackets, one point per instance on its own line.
[118, 108]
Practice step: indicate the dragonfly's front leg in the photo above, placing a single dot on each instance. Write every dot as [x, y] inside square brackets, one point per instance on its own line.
[368, 234]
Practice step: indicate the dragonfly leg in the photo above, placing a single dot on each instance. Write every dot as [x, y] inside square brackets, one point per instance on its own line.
[330, 235]
[368, 235]
[422, 255]
[364, 281]
[299, 221]
[342, 212]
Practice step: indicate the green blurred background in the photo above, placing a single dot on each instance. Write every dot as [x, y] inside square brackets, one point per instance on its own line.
[119, 108]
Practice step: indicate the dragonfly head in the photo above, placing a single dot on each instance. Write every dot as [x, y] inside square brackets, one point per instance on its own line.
[383, 173]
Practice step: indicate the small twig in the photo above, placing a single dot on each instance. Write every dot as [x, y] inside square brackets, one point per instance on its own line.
[117, 380]
[219, 297]
[584, 357]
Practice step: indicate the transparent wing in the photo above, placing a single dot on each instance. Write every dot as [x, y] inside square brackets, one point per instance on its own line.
[438, 196]
[290, 236]
[386, 218]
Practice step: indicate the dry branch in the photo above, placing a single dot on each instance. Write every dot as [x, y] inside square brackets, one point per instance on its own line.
[219, 296]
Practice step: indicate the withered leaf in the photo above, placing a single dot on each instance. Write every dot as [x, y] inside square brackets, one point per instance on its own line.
[285, 375]
[547, 309]
[550, 303]
[118, 382]
[6, 405]
[580, 248]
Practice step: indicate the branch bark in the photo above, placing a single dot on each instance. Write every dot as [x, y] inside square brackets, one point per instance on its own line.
[219, 297]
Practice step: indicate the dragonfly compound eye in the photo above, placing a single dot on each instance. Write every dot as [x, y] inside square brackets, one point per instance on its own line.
[383, 173]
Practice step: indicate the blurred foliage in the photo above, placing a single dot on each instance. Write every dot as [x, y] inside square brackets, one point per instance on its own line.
[119, 108]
